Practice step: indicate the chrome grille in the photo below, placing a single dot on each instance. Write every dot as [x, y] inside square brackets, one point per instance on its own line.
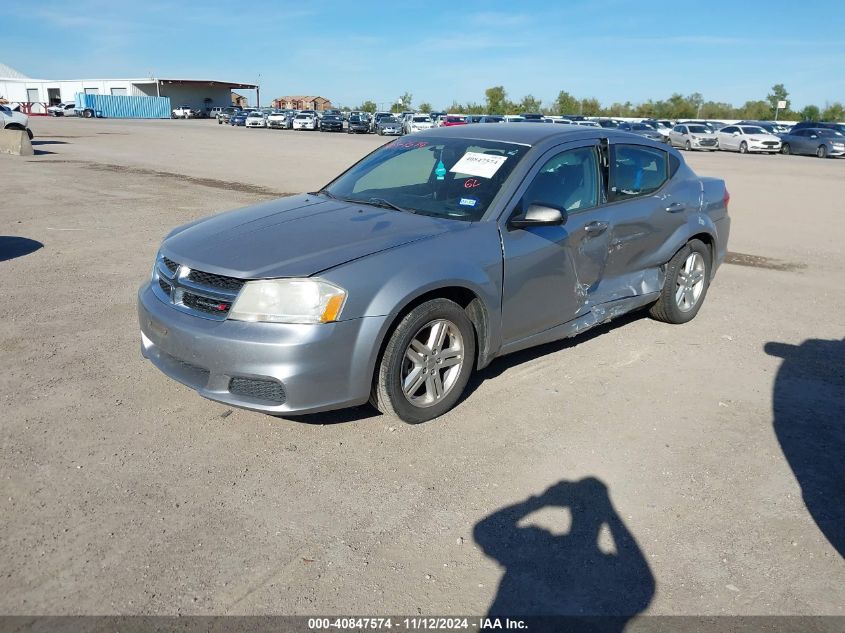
[260, 389]
[196, 292]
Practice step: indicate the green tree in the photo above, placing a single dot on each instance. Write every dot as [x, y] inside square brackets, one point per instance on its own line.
[496, 100]
[717, 110]
[833, 112]
[590, 107]
[566, 103]
[475, 108]
[529, 104]
[810, 113]
[367, 106]
[425, 106]
[756, 111]
[457, 108]
[778, 93]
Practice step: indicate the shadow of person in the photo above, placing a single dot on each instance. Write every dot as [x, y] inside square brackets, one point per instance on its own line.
[809, 412]
[594, 569]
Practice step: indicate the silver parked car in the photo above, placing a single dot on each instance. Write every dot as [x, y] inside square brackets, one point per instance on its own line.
[692, 136]
[821, 142]
[426, 260]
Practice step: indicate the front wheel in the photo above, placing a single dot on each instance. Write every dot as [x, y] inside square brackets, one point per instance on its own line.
[688, 146]
[687, 280]
[821, 152]
[743, 148]
[426, 364]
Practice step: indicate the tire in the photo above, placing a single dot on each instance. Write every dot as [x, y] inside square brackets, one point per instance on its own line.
[87, 114]
[423, 403]
[380, 132]
[29, 134]
[688, 146]
[743, 148]
[785, 149]
[675, 304]
[821, 152]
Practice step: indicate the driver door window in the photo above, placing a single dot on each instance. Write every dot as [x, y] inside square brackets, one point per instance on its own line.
[568, 181]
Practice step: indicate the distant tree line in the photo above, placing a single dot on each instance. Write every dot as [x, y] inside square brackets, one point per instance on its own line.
[677, 106]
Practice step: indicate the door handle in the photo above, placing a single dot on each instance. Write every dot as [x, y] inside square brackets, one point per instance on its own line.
[596, 228]
[676, 207]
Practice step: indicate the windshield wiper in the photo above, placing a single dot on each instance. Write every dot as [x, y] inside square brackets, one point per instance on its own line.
[386, 204]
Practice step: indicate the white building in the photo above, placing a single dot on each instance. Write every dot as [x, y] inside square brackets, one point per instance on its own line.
[34, 95]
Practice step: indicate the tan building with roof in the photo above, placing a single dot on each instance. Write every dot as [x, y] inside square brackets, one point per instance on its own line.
[302, 102]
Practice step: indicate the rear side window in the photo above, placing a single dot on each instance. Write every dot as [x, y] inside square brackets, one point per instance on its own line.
[636, 170]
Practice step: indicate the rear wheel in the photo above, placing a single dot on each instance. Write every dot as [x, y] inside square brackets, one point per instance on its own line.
[687, 279]
[426, 364]
[785, 149]
[743, 148]
[821, 152]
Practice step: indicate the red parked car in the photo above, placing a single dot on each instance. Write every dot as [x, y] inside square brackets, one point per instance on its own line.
[454, 120]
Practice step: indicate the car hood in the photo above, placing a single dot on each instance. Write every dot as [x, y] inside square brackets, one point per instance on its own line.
[296, 237]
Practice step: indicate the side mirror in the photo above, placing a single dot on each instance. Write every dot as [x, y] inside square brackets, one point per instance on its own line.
[736, 133]
[813, 136]
[539, 215]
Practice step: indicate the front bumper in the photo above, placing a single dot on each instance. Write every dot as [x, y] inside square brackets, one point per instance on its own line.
[320, 367]
[759, 147]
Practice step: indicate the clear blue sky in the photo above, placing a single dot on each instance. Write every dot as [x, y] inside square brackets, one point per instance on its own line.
[350, 51]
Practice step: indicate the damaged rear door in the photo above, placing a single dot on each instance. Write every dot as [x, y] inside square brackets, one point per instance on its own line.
[550, 272]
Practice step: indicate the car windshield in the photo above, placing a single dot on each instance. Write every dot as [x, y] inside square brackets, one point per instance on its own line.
[455, 119]
[444, 177]
[422, 119]
[256, 114]
[493, 119]
[698, 129]
[303, 116]
[753, 129]
[642, 126]
[388, 119]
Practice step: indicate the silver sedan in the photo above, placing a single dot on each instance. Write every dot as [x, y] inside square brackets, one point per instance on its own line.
[431, 257]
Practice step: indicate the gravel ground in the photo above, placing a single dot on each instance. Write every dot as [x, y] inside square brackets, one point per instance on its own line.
[640, 468]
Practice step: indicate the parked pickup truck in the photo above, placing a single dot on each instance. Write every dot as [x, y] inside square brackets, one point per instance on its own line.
[182, 112]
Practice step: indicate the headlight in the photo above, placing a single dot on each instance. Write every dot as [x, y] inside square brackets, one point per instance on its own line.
[288, 301]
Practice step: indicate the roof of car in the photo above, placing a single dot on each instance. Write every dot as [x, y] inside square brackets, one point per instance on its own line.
[521, 133]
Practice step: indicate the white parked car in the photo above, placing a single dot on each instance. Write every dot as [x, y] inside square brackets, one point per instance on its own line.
[747, 138]
[585, 123]
[692, 136]
[514, 118]
[303, 121]
[14, 120]
[418, 123]
[182, 112]
[280, 120]
[62, 109]
[256, 119]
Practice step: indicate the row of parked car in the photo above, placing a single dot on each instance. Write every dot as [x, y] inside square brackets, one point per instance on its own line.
[823, 139]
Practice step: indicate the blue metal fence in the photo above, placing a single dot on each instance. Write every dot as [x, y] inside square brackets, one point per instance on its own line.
[125, 107]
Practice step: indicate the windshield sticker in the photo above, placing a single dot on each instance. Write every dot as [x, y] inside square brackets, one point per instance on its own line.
[476, 164]
[441, 170]
[468, 202]
[472, 183]
[407, 144]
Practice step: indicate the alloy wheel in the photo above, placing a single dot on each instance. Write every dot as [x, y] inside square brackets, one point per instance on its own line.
[690, 282]
[432, 363]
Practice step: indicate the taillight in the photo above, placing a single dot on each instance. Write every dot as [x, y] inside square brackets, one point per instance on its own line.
[727, 197]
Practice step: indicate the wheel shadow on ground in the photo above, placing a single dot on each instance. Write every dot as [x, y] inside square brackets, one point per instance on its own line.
[495, 369]
[809, 421]
[12, 247]
[48, 142]
[594, 572]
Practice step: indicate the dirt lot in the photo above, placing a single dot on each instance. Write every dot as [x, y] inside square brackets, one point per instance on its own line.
[122, 491]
